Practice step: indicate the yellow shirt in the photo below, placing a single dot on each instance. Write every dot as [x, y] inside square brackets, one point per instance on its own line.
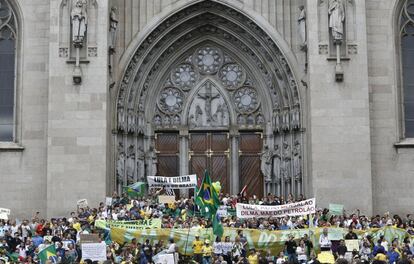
[77, 226]
[198, 246]
[253, 259]
[380, 257]
[207, 251]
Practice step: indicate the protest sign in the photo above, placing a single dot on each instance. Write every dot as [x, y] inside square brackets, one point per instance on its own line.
[336, 209]
[89, 238]
[94, 251]
[293, 209]
[136, 224]
[4, 213]
[222, 211]
[48, 238]
[164, 258]
[179, 182]
[352, 244]
[82, 203]
[326, 257]
[335, 234]
[108, 201]
[166, 199]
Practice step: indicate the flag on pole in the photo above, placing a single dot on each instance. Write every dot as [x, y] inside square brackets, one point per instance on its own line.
[244, 190]
[48, 253]
[207, 198]
[136, 189]
[217, 226]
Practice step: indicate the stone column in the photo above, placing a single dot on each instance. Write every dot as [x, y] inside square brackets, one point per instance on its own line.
[184, 164]
[234, 156]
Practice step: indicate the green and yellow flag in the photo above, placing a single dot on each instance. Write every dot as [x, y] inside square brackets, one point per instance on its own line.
[135, 190]
[207, 198]
[48, 253]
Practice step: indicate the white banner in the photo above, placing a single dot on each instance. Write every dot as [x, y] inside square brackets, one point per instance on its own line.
[263, 211]
[179, 182]
[94, 251]
[5, 211]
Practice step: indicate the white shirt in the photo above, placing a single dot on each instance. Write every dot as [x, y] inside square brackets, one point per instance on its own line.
[324, 241]
[217, 248]
[171, 248]
[300, 251]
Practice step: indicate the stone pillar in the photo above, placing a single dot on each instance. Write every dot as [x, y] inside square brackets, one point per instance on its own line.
[184, 165]
[234, 156]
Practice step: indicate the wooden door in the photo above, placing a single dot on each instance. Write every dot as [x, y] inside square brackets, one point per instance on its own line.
[249, 163]
[167, 146]
[210, 150]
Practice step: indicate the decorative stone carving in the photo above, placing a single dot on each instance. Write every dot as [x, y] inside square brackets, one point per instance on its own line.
[232, 75]
[277, 126]
[121, 119]
[130, 164]
[140, 123]
[92, 51]
[113, 26]
[208, 60]
[323, 49]
[297, 167]
[171, 100]
[295, 118]
[276, 162]
[140, 163]
[266, 163]
[79, 16]
[352, 49]
[63, 52]
[131, 121]
[184, 76]
[151, 162]
[120, 164]
[285, 170]
[260, 120]
[208, 108]
[302, 27]
[285, 120]
[246, 100]
[157, 120]
[336, 11]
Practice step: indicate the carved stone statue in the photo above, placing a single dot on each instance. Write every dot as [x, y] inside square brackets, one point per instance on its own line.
[295, 118]
[285, 120]
[276, 121]
[141, 123]
[79, 17]
[140, 163]
[157, 120]
[120, 164]
[152, 161]
[302, 27]
[266, 163]
[198, 116]
[121, 119]
[113, 25]
[130, 164]
[296, 160]
[336, 11]
[286, 161]
[276, 162]
[131, 121]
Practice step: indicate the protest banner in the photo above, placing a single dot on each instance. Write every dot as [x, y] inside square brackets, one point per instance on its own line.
[164, 258]
[89, 238]
[293, 209]
[82, 203]
[352, 244]
[178, 182]
[336, 209]
[133, 225]
[94, 251]
[326, 257]
[166, 199]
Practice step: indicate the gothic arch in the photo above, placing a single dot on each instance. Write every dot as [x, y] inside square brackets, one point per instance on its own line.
[233, 34]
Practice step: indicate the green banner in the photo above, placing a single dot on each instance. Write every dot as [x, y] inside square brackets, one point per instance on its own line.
[260, 239]
[130, 225]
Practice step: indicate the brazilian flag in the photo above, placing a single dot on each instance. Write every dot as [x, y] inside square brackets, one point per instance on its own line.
[207, 198]
[135, 190]
[48, 253]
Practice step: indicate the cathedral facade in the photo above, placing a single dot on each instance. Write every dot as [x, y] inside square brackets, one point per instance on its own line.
[304, 97]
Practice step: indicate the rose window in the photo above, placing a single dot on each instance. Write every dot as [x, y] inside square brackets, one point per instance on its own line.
[208, 60]
[232, 75]
[184, 76]
[246, 100]
[171, 100]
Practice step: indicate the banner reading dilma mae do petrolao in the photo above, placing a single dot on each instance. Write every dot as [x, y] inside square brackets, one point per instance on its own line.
[304, 207]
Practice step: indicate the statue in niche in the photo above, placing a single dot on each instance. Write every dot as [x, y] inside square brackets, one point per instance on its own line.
[336, 11]
[120, 163]
[140, 163]
[250, 120]
[131, 121]
[241, 120]
[166, 121]
[302, 27]
[276, 162]
[192, 122]
[259, 119]
[198, 116]
[276, 121]
[176, 120]
[157, 120]
[295, 118]
[130, 164]
[296, 160]
[152, 161]
[141, 123]
[79, 17]
[121, 119]
[286, 161]
[285, 120]
[208, 96]
[113, 25]
[266, 163]
[220, 115]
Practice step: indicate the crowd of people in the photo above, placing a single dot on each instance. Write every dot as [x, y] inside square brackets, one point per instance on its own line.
[21, 241]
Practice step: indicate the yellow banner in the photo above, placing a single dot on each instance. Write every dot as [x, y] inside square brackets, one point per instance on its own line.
[130, 225]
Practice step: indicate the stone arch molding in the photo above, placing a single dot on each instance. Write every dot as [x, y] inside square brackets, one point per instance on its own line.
[211, 49]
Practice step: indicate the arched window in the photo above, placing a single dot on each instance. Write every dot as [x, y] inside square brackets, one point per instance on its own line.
[8, 42]
[407, 64]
